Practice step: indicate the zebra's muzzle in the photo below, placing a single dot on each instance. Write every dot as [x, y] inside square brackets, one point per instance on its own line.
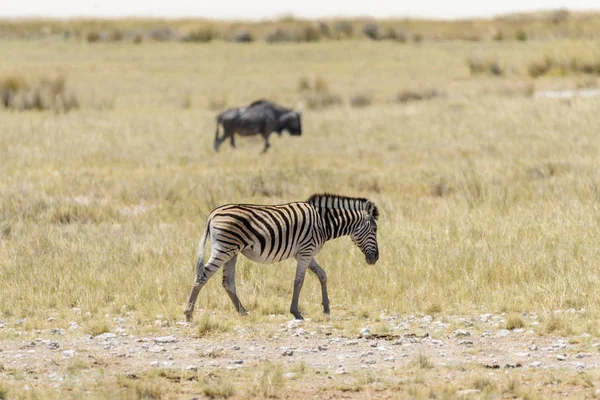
[371, 258]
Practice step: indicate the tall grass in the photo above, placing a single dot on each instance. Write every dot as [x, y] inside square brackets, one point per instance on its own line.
[103, 209]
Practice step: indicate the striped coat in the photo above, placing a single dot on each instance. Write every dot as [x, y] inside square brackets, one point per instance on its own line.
[273, 233]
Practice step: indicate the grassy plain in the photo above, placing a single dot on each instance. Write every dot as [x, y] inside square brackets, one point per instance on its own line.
[489, 198]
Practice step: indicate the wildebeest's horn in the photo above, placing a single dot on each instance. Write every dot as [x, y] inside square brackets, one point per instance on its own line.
[300, 108]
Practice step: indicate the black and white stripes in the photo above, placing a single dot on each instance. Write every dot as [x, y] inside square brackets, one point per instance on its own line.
[273, 233]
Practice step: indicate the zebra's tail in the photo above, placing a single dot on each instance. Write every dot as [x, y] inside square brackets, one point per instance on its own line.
[200, 254]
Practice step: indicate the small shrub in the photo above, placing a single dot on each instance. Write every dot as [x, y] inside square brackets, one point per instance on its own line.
[514, 321]
[271, 380]
[242, 37]
[138, 39]
[115, 35]
[163, 34]
[303, 84]
[480, 66]
[186, 101]
[308, 34]
[521, 35]
[92, 37]
[408, 95]
[417, 38]
[397, 35]
[537, 69]
[3, 392]
[280, 35]
[371, 30]
[559, 16]
[316, 101]
[498, 36]
[201, 35]
[324, 29]
[217, 103]
[361, 100]
[208, 325]
[321, 85]
[96, 328]
[344, 30]
[422, 361]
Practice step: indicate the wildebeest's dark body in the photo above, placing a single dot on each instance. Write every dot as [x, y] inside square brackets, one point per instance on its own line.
[261, 117]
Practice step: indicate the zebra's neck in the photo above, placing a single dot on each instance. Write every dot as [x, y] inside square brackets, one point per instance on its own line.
[338, 214]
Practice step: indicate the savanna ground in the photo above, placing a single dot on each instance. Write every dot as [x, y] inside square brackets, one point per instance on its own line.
[489, 200]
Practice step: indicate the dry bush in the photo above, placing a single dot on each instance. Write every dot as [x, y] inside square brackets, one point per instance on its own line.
[115, 35]
[344, 30]
[324, 30]
[201, 35]
[521, 35]
[321, 85]
[308, 34]
[92, 37]
[217, 103]
[559, 16]
[46, 94]
[243, 36]
[322, 100]
[560, 66]
[280, 35]
[478, 65]
[372, 31]
[409, 95]
[396, 34]
[138, 39]
[163, 34]
[361, 100]
[303, 84]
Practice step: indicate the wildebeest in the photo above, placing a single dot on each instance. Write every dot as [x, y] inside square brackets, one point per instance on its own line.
[261, 117]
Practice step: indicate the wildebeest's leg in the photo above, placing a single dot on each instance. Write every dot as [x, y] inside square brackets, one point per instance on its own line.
[301, 268]
[226, 133]
[229, 285]
[232, 141]
[203, 274]
[267, 145]
[317, 270]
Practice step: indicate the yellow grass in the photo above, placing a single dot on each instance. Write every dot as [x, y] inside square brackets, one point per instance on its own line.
[489, 199]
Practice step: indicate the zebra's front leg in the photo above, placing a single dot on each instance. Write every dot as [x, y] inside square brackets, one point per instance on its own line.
[229, 285]
[320, 273]
[301, 268]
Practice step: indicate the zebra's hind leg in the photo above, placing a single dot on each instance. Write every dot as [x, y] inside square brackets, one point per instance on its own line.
[202, 276]
[229, 285]
[301, 268]
[317, 270]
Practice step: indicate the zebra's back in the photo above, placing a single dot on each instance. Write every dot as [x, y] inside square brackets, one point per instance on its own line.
[263, 233]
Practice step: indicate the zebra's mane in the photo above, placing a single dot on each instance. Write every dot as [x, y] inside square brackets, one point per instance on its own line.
[326, 200]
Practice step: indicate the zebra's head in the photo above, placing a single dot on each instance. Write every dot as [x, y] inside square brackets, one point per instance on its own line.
[364, 234]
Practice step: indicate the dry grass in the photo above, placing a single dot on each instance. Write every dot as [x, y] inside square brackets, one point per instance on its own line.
[488, 203]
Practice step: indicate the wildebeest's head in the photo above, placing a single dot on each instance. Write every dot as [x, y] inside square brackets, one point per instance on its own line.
[291, 121]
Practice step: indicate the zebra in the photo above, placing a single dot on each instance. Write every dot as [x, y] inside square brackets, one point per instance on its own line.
[273, 233]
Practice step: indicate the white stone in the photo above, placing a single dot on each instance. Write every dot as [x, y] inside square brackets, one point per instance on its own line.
[165, 339]
[154, 364]
[522, 354]
[461, 333]
[535, 364]
[105, 336]
[561, 357]
[73, 325]
[191, 368]
[69, 353]
[365, 333]
[503, 333]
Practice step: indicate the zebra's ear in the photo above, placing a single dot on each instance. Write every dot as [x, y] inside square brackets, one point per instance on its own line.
[372, 209]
